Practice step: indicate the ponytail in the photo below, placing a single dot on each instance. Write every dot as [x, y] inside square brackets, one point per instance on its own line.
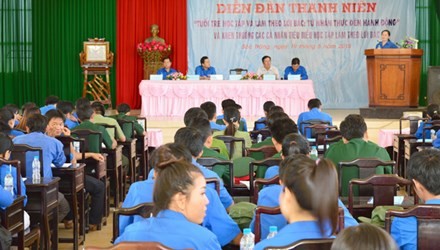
[231, 115]
[295, 144]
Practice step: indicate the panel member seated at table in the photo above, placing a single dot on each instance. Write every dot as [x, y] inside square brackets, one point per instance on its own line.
[166, 70]
[386, 42]
[267, 68]
[205, 70]
[314, 113]
[354, 145]
[432, 113]
[423, 170]
[211, 111]
[296, 69]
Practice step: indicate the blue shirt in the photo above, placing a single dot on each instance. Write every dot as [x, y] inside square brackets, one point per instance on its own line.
[205, 72]
[313, 114]
[419, 132]
[165, 73]
[272, 172]
[15, 132]
[216, 219]
[52, 151]
[4, 170]
[388, 45]
[404, 230]
[300, 71]
[171, 229]
[215, 126]
[46, 108]
[293, 232]
[259, 124]
[70, 124]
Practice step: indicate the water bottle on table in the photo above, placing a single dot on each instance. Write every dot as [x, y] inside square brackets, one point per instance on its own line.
[247, 242]
[36, 176]
[9, 181]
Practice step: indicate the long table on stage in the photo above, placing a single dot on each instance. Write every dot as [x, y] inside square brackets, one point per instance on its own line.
[174, 98]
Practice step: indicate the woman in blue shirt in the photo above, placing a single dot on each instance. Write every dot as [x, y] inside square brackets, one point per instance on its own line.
[308, 200]
[386, 42]
[179, 208]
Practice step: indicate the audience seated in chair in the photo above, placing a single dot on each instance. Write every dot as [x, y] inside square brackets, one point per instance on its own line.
[216, 220]
[180, 206]
[93, 186]
[432, 113]
[195, 113]
[99, 118]
[211, 111]
[6, 197]
[7, 121]
[308, 201]
[67, 108]
[260, 123]
[27, 112]
[314, 113]
[231, 103]
[293, 144]
[52, 154]
[231, 119]
[51, 103]
[364, 237]
[423, 169]
[124, 113]
[15, 111]
[354, 145]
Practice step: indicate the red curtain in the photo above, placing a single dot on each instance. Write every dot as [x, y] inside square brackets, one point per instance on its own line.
[134, 18]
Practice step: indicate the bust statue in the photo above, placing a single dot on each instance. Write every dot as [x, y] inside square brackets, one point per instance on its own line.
[154, 30]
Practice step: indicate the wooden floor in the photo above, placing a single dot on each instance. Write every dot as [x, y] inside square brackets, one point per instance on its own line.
[170, 125]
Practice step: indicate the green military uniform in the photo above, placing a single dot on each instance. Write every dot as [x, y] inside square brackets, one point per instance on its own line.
[94, 144]
[137, 127]
[221, 170]
[354, 149]
[239, 134]
[259, 155]
[216, 143]
[99, 119]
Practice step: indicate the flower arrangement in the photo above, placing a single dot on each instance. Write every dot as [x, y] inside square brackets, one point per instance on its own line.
[409, 43]
[176, 76]
[251, 76]
[153, 51]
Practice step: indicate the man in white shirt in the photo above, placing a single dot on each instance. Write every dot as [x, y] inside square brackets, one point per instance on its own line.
[267, 68]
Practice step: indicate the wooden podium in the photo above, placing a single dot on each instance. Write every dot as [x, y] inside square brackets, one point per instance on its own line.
[394, 77]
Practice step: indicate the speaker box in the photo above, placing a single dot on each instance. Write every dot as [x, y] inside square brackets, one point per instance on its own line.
[434, 85]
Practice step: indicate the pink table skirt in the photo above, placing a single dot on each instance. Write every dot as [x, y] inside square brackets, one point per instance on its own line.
[155, 137]
[174, 98]
[386, 136]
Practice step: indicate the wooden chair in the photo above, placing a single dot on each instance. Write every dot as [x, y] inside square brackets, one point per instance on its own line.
[210, 162]
[427, 126]
[268, 151]
[311, 122]
[366, 168]
[309, 244]
[322, 139]
[330, 140]
[263, 210]
[129, 148]
[260, 182]
[384, 189]
[144, 210]
[428, 224]
[230, 142]
[413, 123]
[12, 216]
[318, 134]
[142, 149]
[133, 246]
[216, 183]
[263, 132]
[19, 152]
[238, 71]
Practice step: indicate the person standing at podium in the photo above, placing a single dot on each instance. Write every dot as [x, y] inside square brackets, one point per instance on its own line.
[386, 42]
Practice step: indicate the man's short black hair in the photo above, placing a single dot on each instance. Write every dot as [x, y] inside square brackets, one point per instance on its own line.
[353, 126]
[272, 117]
[193, 113]
[203, 126]
[190, 138]
[54, 113]
[37, 123]
[99, 108]
[81, 102]
[264, 57]
[267, 105]
[123, 108]
[166, 58]
[209, 108]
[65, 107]
[5, 143]
[279, 128]
[84, 113]
[202, 60]
[52, 99]
[295, 61]
[275, 109]
[424, 166]
[230, 103]
[314, 103]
